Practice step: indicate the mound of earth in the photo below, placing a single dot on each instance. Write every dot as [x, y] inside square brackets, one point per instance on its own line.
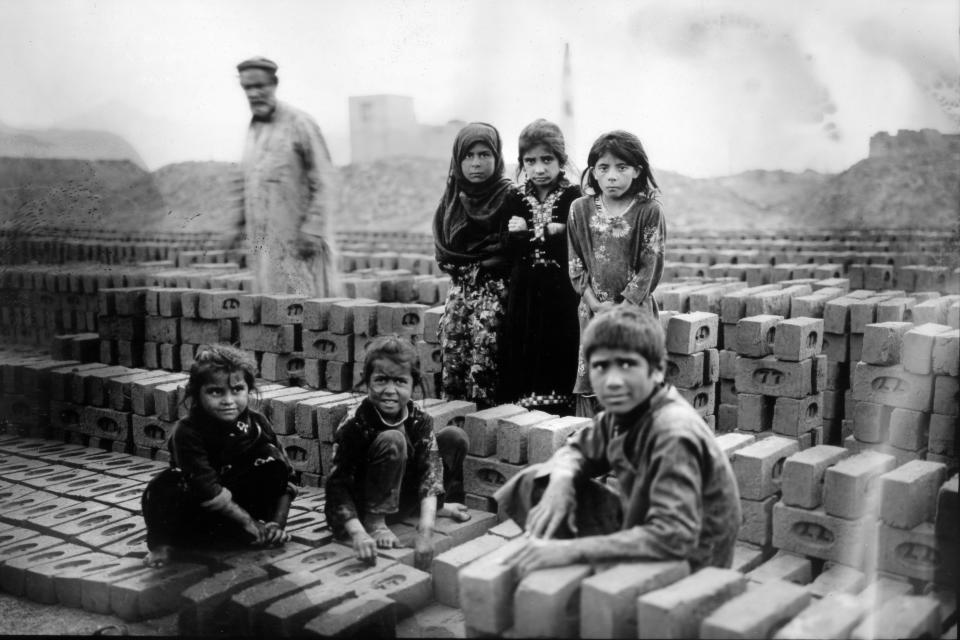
[115, 194]
[66, 143]
[915, 190]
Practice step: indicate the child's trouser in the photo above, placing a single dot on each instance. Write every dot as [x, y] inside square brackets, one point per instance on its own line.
[391, 487]
[174, 517]
[598, 510]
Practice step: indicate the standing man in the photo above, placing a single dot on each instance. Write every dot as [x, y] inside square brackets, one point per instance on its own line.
[288, 191]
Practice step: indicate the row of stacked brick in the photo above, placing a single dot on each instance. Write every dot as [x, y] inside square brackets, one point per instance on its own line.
[843, 544]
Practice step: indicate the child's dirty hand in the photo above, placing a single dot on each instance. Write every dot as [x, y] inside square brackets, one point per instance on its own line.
[365, 546]
[557, 506]
[516, 224]
[275, 535]
[423, 551]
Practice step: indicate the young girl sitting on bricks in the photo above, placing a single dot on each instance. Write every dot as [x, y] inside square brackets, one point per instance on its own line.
[228, 479]
[616, 234]
[387, 461]
[677, 496]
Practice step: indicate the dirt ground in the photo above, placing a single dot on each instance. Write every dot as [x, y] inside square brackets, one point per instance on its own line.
[19, 616]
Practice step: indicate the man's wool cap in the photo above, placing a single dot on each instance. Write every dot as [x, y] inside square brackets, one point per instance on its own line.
[258, 62]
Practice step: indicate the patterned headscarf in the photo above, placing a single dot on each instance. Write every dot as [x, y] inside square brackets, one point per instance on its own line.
[467, 215]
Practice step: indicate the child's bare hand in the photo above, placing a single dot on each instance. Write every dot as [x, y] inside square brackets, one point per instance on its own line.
[540, 554]
[558, 505]
[257, 531]
[365, 546]
[516, 224]
[423, 551]
[555, 228]
[274, 535]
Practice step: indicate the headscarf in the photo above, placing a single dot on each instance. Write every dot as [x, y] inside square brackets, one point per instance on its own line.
[466, 222]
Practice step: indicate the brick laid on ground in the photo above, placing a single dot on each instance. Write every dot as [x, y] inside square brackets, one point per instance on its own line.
[756, 613]
[832, 617]
[676, 611]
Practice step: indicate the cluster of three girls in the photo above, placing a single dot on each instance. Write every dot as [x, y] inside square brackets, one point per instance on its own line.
[532, 262]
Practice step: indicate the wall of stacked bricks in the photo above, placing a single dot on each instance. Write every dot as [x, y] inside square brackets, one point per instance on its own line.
[827, 368]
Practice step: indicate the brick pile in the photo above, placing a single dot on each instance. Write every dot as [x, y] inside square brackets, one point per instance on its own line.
[693, 361]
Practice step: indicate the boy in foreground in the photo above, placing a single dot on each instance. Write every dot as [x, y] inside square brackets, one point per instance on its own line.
[677, 497]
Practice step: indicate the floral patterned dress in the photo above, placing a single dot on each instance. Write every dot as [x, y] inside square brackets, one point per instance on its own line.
[619, 257]
[472, 325]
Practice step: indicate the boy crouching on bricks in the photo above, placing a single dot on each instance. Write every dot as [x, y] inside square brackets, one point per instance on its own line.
[677, 497]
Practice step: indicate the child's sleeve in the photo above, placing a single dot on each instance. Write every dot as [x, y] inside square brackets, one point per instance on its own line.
[674, 514]
[190, 455]
[427, 459]
[652, 238]
[585, 452]
[577, 251]
[340, 506]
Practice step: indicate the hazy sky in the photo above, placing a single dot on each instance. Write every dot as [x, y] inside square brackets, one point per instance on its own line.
[712, 87]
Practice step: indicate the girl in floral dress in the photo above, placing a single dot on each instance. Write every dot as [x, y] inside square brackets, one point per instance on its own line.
[616, 236]
[475, 245]
[542, 332]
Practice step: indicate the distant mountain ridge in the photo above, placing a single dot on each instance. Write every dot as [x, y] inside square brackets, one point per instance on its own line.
[903, 184]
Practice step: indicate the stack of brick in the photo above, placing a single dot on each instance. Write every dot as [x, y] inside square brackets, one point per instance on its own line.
[162, 327]
[918, 513]
[905, 392]
[25, 391]
[271, 327]
[758, 467]
[329, 340]
[428, 348]
[503, 440]
[780, 376]
[693, 361]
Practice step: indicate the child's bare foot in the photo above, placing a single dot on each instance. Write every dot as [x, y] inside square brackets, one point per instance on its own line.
[377, 527]
[158, 557]
[454, 511]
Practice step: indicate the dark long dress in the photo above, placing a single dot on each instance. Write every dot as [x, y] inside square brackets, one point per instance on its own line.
[542, 331]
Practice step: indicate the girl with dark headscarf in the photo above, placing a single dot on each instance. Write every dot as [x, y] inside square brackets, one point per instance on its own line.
[542, 331]
[475, 246]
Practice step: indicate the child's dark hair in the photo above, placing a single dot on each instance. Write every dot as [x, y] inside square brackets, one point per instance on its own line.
[629, 329]
[627, 147]
[395, 349]
[543, 132]
[217, 358]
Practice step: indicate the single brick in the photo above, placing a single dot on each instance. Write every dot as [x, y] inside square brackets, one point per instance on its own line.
[851, 486]
[608, 599]
[486, 590]
[833, 616]
[286, 616]
[892, 386]
[798, 339]
[946, 395]
[68, 575]
[692, 332]
[701, 398]
[803, 473]
[243, 610]
[883, 342]
[153, 593]
[946, 353]
[812, 532]
[756, 520]
[838, 578]
[948, 509]
[914, 553]
[14, 571]
[512, 435]
[676, 611]
[918, 346]
[214, 304]
[732, 442]
[784, 566]
[756, 335]
[446, 565]
[836, 346]
[871, 421]
[909, 493]
[95, 585]
[754, 412]
[757, 613]
[746, 557]
[201, 604]
[908, 429]
[366, 616]
[901, 617]
[796, 416]
[409, 588]
[482, 426]
[769, 376]
[685, 370]
[545, 438]
[483, 476]
[758, 466]
[547, 601]
[942, 435]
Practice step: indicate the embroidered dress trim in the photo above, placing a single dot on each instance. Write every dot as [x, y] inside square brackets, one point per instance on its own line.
[542, 215]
